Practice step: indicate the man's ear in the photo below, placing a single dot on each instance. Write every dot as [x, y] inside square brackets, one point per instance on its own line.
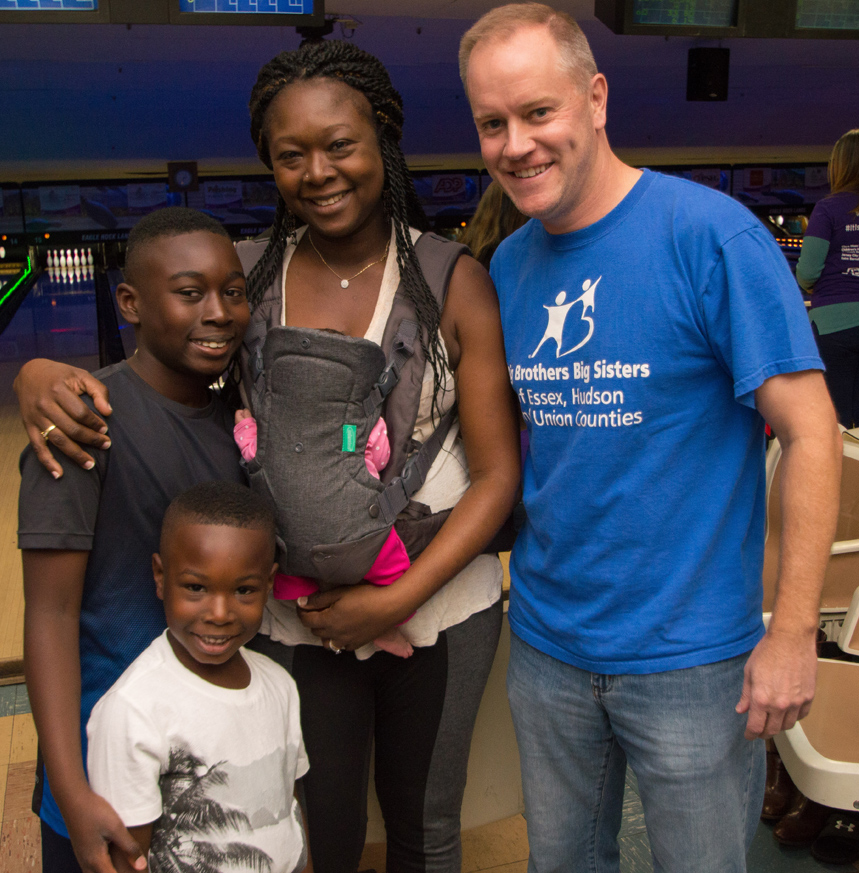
[599, 100]
[127, 300]
[158, 573]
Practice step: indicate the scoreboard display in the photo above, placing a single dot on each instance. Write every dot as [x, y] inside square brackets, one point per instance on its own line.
[303, 13]
[40, 5]
[700, 13]
[827, 15]
[54, 11]
[777, 19]
[276, 12]
[250, 7]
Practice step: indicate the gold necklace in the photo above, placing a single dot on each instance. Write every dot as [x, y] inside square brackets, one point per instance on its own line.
[344, 283]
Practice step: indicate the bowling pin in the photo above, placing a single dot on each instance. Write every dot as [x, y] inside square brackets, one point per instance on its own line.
[89, 257]
[62, 260]
[77, 259]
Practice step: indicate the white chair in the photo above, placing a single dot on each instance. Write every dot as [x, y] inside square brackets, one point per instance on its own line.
[821, 753]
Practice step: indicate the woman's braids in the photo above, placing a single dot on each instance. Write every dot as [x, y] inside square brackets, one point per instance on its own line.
[358, 69]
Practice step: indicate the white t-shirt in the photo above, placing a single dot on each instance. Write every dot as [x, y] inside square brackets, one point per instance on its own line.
[214, 766]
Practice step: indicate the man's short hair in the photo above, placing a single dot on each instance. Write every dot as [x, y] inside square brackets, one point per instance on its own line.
[170, 221]
[219, 503]
[504, 21]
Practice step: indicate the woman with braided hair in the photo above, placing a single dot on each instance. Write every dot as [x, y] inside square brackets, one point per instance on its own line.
[340, 255]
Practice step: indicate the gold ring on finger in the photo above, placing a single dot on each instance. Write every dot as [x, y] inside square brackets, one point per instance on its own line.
[46, 431]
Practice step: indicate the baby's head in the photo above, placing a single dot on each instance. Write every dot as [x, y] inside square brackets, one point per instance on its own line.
[214, 571]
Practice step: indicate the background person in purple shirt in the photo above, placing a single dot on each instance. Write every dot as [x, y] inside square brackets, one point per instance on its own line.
[829, 269]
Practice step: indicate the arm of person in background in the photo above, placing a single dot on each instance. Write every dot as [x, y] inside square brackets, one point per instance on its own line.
[815, 247]
[53, 587]
[488, 414]
[49, 394]
[812, 257]
[780, 673]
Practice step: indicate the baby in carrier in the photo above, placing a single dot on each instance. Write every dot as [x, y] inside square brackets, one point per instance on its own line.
[392, 560]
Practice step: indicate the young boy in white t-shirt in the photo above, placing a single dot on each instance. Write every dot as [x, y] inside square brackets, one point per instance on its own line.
[198, 744]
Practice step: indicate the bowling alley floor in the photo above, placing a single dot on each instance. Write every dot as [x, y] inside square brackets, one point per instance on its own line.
[501, 847]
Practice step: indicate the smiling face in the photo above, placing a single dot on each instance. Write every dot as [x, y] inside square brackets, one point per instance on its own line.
[540, 130]
[214, 581]
[325, 156]
[187, 302]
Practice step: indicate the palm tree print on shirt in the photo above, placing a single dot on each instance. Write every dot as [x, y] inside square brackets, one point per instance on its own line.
[179, 843]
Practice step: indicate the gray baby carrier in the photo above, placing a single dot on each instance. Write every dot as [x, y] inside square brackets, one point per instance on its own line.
[316, 396]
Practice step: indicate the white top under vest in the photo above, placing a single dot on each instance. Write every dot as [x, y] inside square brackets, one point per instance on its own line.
[478, 585]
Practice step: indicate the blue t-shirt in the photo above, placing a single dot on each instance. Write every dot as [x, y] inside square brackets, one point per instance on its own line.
[635, 346]
[159, 448]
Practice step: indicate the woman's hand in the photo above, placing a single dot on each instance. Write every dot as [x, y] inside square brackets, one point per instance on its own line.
[49, 399]
[353, 615]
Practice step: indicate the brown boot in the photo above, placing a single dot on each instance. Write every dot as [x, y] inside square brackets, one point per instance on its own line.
[803, 824]
[780, 792]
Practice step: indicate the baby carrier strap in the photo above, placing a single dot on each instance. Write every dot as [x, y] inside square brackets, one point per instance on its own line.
[437, 257]
[265, 315]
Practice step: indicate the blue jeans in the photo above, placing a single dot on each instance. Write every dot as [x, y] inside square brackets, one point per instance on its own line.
[701, 782]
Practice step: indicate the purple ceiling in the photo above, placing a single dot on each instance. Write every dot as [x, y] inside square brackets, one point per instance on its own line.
[93, 92]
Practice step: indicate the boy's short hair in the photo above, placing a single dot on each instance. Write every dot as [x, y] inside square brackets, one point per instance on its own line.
[219, 503]
[170, 221]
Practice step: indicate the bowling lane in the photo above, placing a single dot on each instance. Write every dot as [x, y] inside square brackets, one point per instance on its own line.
[57, 319]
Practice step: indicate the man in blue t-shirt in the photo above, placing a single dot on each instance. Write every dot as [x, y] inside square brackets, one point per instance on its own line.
[651, 327]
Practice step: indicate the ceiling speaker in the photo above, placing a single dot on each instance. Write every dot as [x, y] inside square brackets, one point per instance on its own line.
[707, 74]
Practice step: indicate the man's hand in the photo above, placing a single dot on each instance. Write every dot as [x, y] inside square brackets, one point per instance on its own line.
[49, 398]
[93, 826]
[778, 683]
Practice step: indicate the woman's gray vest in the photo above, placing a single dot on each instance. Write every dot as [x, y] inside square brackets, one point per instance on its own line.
[316, 395]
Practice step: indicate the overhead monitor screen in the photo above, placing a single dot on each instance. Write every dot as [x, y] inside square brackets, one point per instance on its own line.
[49, 5]
[54, 11]
[691, 13]
[246, 7]
[827, 14]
